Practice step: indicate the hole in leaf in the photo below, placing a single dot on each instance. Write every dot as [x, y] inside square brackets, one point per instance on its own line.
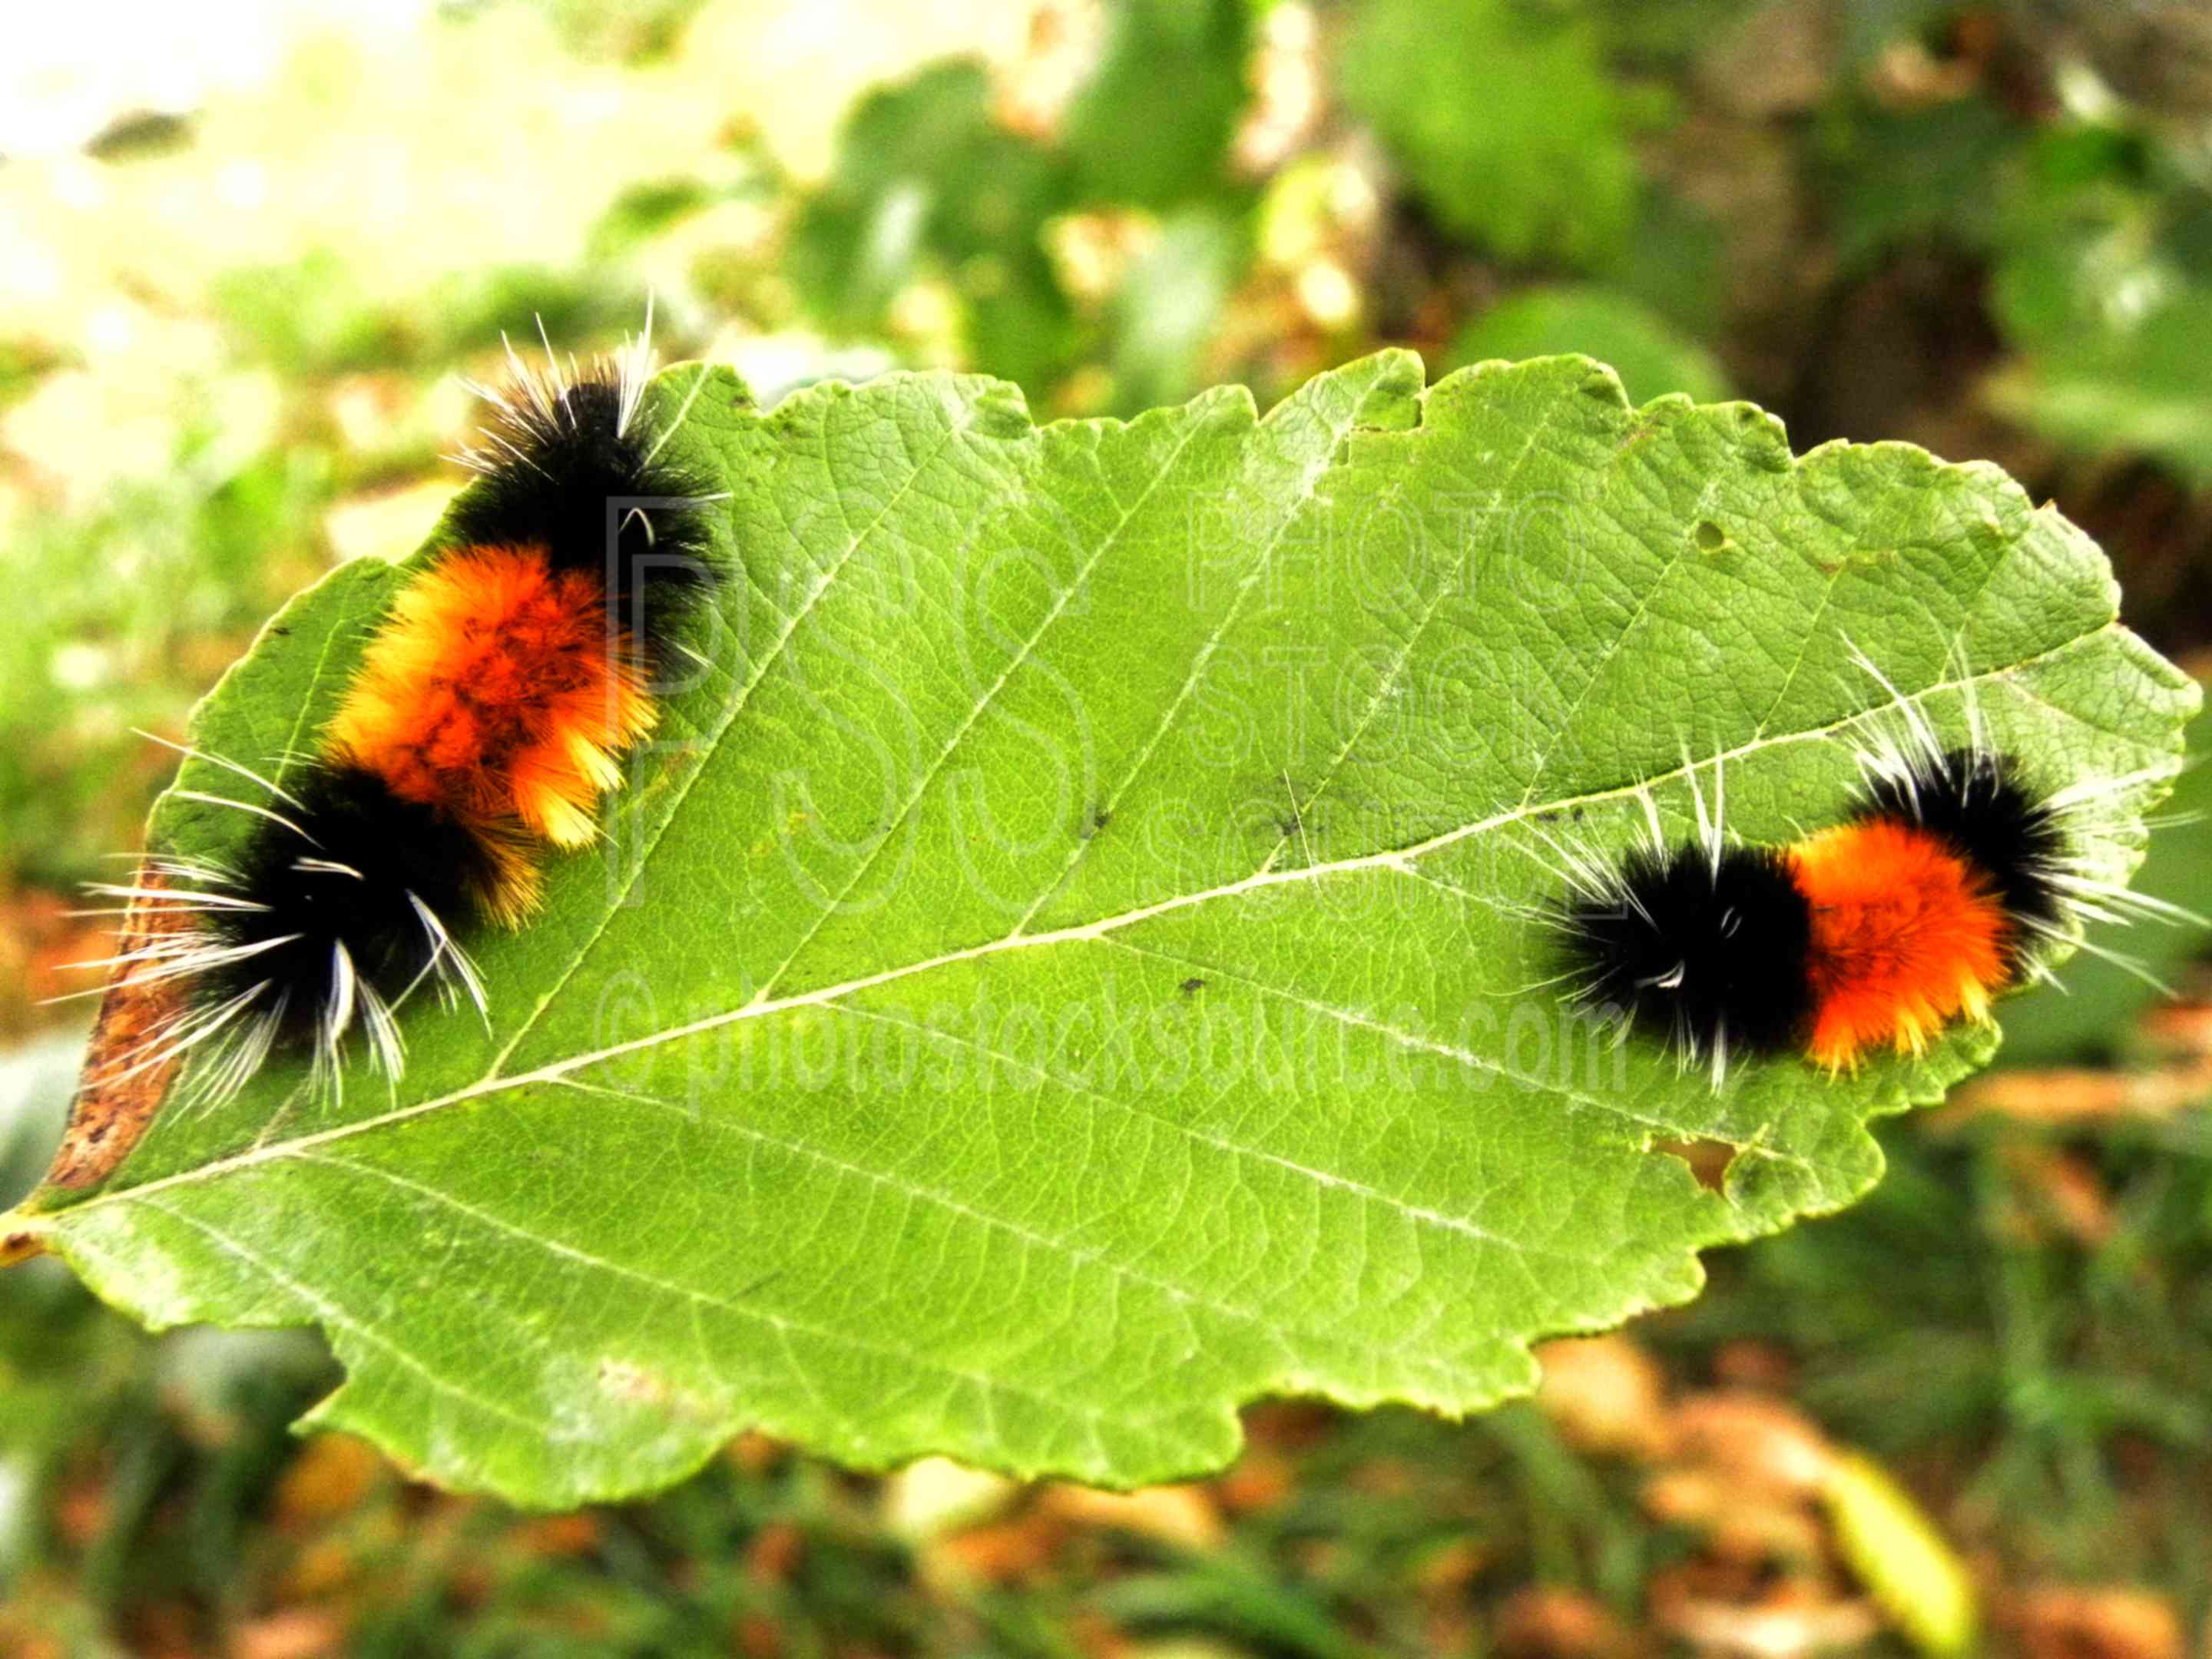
[1711, 537]
[1709, 1160]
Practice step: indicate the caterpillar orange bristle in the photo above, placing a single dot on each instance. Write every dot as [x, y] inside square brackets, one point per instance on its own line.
[1926, 901]
[486, 723]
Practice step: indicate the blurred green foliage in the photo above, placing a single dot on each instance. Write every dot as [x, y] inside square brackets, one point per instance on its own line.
[1891, 178]
[2104, 281]
[1505, 119]
[1950, 1323]
[114, 614]
[1987, 227]
[926, 179]
[1151, 126]
[930, 183]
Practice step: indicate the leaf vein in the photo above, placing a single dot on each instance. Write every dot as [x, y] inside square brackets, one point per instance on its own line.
[1396, 860]
[721, 727]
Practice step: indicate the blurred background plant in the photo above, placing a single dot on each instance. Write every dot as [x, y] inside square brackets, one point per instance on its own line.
[248, 253]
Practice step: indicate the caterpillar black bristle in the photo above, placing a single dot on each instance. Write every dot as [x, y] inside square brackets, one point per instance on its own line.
[571, 468]
[1710, 953]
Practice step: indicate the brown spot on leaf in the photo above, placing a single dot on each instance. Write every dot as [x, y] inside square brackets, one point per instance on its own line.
[118, 1099]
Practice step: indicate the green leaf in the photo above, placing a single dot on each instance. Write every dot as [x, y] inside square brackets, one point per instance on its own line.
[1152, 125]
[1650, 354]
[928, 184]
[644, 210]
[1505, 119]
[1068, 968]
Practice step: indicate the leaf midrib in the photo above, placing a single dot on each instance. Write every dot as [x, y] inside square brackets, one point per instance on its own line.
[1399, 860]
